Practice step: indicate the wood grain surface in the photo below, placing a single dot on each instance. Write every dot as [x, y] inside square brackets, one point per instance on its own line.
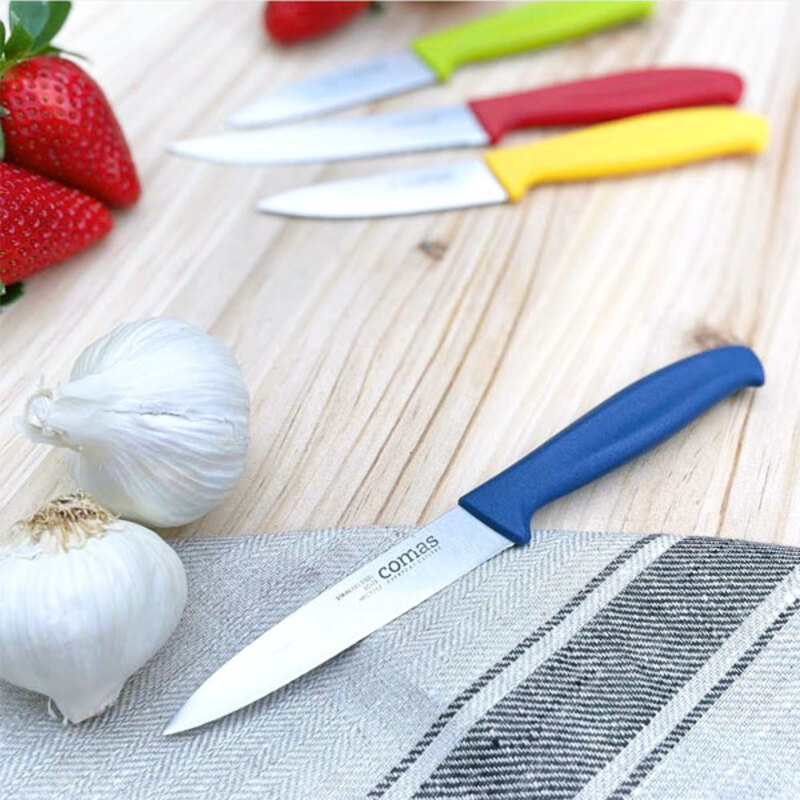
[395, 364]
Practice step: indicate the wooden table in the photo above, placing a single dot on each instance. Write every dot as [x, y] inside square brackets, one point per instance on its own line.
[394, 364]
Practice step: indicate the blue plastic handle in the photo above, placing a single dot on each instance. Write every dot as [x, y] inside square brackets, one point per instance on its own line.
[624, 426]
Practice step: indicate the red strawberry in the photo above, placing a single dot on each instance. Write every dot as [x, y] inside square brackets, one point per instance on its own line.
[288, 21]
[43, 222]
[58, 121]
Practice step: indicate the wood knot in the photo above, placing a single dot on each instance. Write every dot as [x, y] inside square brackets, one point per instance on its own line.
[433, 249]
[706, 337]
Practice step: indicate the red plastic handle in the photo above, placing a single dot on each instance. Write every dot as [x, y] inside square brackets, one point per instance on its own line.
[609, 97]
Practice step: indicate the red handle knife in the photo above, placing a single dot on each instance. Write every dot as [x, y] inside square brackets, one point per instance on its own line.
[475, 123]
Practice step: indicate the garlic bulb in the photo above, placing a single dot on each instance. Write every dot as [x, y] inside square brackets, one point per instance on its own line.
[85, 600]
[156, 416]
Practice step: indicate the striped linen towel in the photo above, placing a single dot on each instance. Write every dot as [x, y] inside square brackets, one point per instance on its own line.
[587, 665]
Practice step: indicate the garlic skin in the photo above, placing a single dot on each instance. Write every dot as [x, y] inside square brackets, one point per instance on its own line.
[85, 600]
[156, 416]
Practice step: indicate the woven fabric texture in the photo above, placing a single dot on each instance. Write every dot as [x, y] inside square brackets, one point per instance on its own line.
[587, 665]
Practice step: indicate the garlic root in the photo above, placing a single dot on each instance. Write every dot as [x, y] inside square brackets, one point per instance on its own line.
[85, 600]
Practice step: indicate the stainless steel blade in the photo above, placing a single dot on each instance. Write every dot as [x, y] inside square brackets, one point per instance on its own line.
[459, 185]
[380, 591]
[350, 86]
[374, 135]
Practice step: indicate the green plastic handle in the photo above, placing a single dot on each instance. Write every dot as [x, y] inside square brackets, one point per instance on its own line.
[526, 27]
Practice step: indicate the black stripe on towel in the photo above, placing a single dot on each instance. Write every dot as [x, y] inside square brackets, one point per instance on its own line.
[574, 713]
[518, 650]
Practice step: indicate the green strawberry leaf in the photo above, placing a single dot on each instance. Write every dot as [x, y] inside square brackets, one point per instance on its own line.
[19, 42]
[8, 294]
[58, 11]
[34, 23]
[32, 16]
[42, 20]
[2, 37]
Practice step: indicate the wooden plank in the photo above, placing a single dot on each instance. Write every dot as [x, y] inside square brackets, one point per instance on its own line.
[394, 364]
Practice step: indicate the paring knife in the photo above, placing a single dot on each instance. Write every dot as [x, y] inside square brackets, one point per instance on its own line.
[433, 58]
[637, 144]
[486, 521]
[472, 124]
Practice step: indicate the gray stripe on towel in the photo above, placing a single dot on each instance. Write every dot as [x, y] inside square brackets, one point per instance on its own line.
[688, 722]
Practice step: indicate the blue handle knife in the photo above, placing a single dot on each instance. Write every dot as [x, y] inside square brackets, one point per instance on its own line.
[487, 520]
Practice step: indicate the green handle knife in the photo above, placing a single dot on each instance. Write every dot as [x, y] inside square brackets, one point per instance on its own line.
[433, 58]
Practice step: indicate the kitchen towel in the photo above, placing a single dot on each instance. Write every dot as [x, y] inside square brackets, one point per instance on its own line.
[587, 665]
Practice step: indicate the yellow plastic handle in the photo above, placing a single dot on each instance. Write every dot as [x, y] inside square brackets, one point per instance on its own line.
[637, 144]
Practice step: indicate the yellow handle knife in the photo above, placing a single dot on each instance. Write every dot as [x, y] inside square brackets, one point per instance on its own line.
[636, 144]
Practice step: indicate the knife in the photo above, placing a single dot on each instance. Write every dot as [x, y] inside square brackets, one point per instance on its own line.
[433, 58]
[473, 124]
[485, 522]
[637, 144]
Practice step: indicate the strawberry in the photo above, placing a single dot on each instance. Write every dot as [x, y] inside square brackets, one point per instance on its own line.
[58, 122]
[288, 21]
[43, 222]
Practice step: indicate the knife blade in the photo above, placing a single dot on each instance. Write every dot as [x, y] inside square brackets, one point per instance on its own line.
[486, 521]
[433, 58]
[473, 124]
[636, 144]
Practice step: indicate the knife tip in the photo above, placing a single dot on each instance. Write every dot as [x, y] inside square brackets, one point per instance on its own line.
[174, 727]
[235, 121]
[247, 119]
[185, 720]
[201, 149]
[273, 205]
[188, 148]
[264, 114]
